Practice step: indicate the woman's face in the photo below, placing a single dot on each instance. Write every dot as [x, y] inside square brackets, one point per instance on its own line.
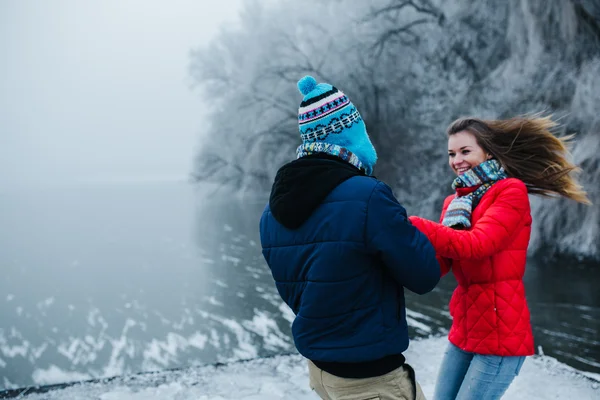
[464, 153]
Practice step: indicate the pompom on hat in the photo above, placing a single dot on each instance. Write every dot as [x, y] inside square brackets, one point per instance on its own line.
[330, 123]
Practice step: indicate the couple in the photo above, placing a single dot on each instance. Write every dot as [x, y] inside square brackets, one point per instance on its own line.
[342, 250]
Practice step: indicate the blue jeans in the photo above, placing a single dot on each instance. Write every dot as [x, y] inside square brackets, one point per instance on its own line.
[470, 376]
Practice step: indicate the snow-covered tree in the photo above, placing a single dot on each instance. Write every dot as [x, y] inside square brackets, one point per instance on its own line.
[411, 68]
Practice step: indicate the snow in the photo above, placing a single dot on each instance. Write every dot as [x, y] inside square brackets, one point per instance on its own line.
[285, 377]
[54, 374]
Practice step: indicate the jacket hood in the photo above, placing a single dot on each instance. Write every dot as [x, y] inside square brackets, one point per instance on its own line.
[301, 186]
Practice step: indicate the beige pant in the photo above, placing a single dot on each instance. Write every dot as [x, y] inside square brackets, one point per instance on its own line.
[395, 385]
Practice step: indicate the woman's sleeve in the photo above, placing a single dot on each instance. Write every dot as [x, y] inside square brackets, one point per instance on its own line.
[445, 262]
[492, 232]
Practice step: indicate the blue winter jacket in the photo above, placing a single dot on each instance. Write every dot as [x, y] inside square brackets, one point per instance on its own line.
[341, 251]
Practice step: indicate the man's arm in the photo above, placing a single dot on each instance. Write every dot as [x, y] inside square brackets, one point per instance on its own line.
[406, 252]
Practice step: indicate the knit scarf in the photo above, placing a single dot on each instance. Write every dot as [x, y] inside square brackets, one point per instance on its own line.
[470, 187]
[306, 149]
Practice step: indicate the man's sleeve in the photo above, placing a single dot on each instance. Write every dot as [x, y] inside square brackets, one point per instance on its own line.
[407, 253]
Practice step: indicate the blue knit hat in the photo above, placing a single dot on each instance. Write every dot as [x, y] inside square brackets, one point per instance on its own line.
[330, 123]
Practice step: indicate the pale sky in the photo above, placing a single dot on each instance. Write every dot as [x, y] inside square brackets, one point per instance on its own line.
[99, 89]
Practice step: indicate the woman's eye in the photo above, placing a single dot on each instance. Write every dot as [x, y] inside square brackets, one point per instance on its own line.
[466, 152]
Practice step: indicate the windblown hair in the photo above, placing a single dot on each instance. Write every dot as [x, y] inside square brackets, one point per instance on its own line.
[528, 150]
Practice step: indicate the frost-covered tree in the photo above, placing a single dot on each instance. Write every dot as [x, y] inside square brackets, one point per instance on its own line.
[411, 67]
[249, 76]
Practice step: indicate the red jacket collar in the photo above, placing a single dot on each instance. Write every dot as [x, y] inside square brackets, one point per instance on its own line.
[460, 192]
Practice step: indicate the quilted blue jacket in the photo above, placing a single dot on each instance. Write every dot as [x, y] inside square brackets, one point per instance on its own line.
[342, 268]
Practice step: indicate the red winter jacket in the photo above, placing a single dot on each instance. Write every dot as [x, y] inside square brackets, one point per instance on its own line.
[489, 310]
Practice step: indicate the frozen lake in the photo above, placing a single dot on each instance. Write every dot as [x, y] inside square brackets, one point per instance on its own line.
[113, 279]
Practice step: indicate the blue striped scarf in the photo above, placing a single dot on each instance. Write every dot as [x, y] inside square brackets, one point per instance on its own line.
[306, 149]
[483, 176]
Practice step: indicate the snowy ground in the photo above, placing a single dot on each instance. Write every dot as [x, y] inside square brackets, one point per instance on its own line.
[285, 377]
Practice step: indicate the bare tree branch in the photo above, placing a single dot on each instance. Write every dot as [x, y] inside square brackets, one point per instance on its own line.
[386, 10]
[384, 38]
[460, 51]
[421, 6]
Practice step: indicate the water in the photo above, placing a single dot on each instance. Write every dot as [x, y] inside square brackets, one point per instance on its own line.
[112, 279]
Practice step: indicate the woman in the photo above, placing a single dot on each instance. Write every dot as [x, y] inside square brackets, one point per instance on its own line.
[483, 236]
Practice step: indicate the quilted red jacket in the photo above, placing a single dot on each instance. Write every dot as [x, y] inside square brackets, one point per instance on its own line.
[489, 310]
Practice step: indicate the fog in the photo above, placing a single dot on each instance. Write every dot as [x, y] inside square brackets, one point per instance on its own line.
[147, 135]
[99, 91]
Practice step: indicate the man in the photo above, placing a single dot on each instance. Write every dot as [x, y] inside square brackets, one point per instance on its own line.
[341, 252]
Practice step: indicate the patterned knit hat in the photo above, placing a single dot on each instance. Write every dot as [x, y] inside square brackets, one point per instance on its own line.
[330, 123]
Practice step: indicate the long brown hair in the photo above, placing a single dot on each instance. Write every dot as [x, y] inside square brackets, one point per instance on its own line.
[528, 150]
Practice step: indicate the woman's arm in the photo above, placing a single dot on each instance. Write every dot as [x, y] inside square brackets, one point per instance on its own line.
[445, 262]
[490, 234]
